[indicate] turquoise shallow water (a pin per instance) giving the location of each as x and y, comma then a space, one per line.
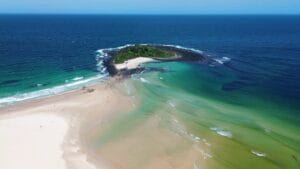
45, 80
244, 101
239, 129
42, 51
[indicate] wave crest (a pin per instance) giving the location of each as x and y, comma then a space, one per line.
49, 91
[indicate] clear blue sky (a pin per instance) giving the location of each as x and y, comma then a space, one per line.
152, 6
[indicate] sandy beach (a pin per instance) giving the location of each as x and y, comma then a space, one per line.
55, 132
34, 139
134, 63
147, 86
45, 133
59, 132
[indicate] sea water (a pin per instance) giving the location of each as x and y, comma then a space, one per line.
241, 106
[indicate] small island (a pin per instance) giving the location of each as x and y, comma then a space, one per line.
142, 51
127, 60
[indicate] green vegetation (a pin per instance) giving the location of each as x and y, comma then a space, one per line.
142, 51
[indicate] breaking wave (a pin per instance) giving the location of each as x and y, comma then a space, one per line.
49, 91
222, 132
77, 82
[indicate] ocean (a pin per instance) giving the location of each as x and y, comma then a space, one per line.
243, 103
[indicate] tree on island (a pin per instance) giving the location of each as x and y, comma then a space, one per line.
142, 51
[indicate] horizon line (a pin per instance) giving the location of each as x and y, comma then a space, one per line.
160, 14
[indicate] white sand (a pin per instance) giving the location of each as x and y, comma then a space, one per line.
134, 63
46, 133
32, 142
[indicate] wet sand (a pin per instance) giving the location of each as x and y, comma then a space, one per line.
46, 133
151, 146
66, 132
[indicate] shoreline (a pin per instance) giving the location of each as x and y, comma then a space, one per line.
134, 63
51, 91
125, 69
131, 66
65, 116
72, 117
54, 124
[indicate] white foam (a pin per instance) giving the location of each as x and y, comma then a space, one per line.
69, 84
257, 153
102, 51
225, 133
49, 91
222, 60
204, 154
175, 120
144, 80
103, 54
222, 132
181, 130
206, 142
77, 78
185, 48
195, 138
171, 104
267, 130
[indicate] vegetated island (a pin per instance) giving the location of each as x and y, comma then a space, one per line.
128, 59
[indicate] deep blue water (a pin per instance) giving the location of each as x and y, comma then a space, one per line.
42, 51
